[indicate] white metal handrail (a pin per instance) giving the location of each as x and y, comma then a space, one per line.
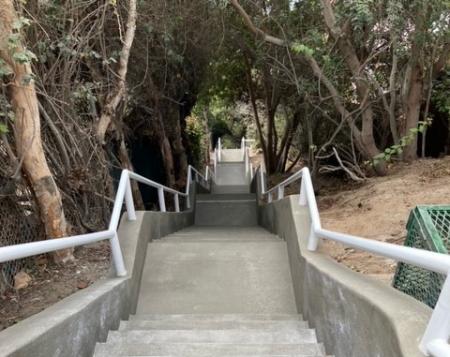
124, 193
246, 156
435, 339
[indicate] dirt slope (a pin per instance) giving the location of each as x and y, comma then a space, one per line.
379, 209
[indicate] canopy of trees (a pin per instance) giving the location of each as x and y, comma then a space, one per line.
91, 87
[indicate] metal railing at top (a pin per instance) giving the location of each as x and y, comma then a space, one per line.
217, 157
435, 339
123, 193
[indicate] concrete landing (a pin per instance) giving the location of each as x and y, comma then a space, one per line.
231, 173
221, 276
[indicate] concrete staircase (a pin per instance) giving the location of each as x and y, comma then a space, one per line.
220, 288
212, 335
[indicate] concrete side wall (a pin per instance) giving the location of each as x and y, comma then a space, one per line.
72, 326
354, 315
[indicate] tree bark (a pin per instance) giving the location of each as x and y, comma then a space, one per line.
116, 97
251, 92
412, 105
366, 137
29, 145
180, 153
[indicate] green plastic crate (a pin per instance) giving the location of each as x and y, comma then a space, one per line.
428, 228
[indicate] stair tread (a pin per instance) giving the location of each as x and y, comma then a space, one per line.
211, 324
230, 189
213, 240
209, 336
218, 317
207, 349
226, 196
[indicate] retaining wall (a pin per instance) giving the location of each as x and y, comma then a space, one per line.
75, 324
353, 314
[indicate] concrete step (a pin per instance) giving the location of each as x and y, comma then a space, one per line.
212, 325
213, 239
234, 336
231, 173
225, 188
258, 355
207, 350
223, 232
219, 197
110, 354
217, 317
230, 155
226, 212
277, 355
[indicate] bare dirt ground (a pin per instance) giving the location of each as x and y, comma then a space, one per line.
379, 209
51, 283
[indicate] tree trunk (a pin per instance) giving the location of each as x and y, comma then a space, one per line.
114, 100
413, 103
166, 151
29, 146
251, 92
366, 140
361, 140
180, 153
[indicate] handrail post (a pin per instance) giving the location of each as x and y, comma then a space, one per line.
302, 200
439, 325
117, 256
263, 183
162, 200
219, 151
246, 158
313, 239
269, 197
129, 201
280, 192
188, 188
177, 202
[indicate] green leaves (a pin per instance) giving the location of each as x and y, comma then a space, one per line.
302, 49
24, 57
7, 115
5, 70
20, 23
3, 128
397, 149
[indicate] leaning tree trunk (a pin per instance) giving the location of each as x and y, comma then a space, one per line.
413, 103
119, 91
22, 93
